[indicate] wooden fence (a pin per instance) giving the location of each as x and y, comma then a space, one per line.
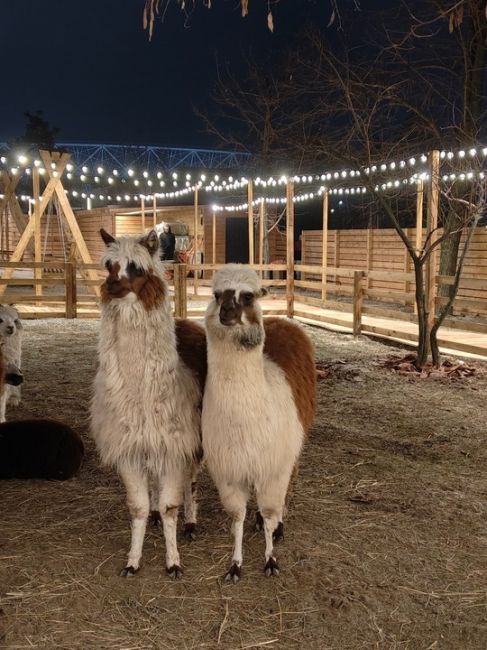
65, 291
382, 251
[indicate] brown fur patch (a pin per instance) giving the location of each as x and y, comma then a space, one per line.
191, 346
148, 288
287, 345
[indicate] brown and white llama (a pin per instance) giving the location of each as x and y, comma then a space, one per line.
258, 404
146, 409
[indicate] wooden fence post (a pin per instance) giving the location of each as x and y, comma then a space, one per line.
250, 217
290, 249
37, 230
324, 248
180, 290
432, 228
195, 247
358, 297
70, 289
142, 211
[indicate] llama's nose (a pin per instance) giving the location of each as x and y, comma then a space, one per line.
10, 329
228, 313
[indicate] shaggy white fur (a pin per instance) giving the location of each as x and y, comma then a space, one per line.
145, 409
252, 435
11, 342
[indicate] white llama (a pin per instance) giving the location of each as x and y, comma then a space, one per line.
259, 402
11, 341
147, 393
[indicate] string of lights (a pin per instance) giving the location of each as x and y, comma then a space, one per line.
186, 183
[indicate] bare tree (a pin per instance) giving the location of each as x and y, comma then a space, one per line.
335, 107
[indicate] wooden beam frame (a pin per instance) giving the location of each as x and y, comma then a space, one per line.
54, 186
10, 203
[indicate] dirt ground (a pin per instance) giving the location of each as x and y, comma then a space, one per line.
385, 543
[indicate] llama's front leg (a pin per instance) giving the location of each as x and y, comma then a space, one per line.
3, 404
234, 499
171, 497
154, 516
136, 484
271, 501
190, 504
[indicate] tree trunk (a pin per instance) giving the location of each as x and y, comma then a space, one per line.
423, 334
449, 249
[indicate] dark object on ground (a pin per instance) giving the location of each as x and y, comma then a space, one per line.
39, 449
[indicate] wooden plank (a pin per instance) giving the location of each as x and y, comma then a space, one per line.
142, 212
154, 210
419, 215
307, 284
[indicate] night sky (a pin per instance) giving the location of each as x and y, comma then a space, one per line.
92, 70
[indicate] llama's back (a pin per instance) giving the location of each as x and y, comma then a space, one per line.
287, 345
191, 347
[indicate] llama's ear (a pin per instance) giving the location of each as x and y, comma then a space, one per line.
151, 242
263, 292
107, 238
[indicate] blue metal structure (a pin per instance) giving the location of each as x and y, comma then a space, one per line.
150, 157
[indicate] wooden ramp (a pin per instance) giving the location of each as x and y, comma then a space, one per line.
451, 340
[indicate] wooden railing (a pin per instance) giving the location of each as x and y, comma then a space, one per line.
66, 291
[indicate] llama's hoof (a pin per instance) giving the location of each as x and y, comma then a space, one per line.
278, 534
175, 572
189, 532
128, 572
271, 568
259, 522
233, 574
155, 518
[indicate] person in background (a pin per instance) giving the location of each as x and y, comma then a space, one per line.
168, 243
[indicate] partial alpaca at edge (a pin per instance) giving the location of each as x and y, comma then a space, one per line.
259, 402
36, 448
11, 340
146, 409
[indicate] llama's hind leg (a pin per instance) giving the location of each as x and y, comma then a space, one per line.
190, 504
136, 484
170, 498
234, 499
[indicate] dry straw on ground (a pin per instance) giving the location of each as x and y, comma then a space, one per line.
384, 544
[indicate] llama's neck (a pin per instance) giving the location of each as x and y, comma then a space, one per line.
231, 361
132, 334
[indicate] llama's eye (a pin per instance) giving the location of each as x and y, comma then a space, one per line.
247, 298
135, 271
17, 322
108, 265
1, 320
218, 295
